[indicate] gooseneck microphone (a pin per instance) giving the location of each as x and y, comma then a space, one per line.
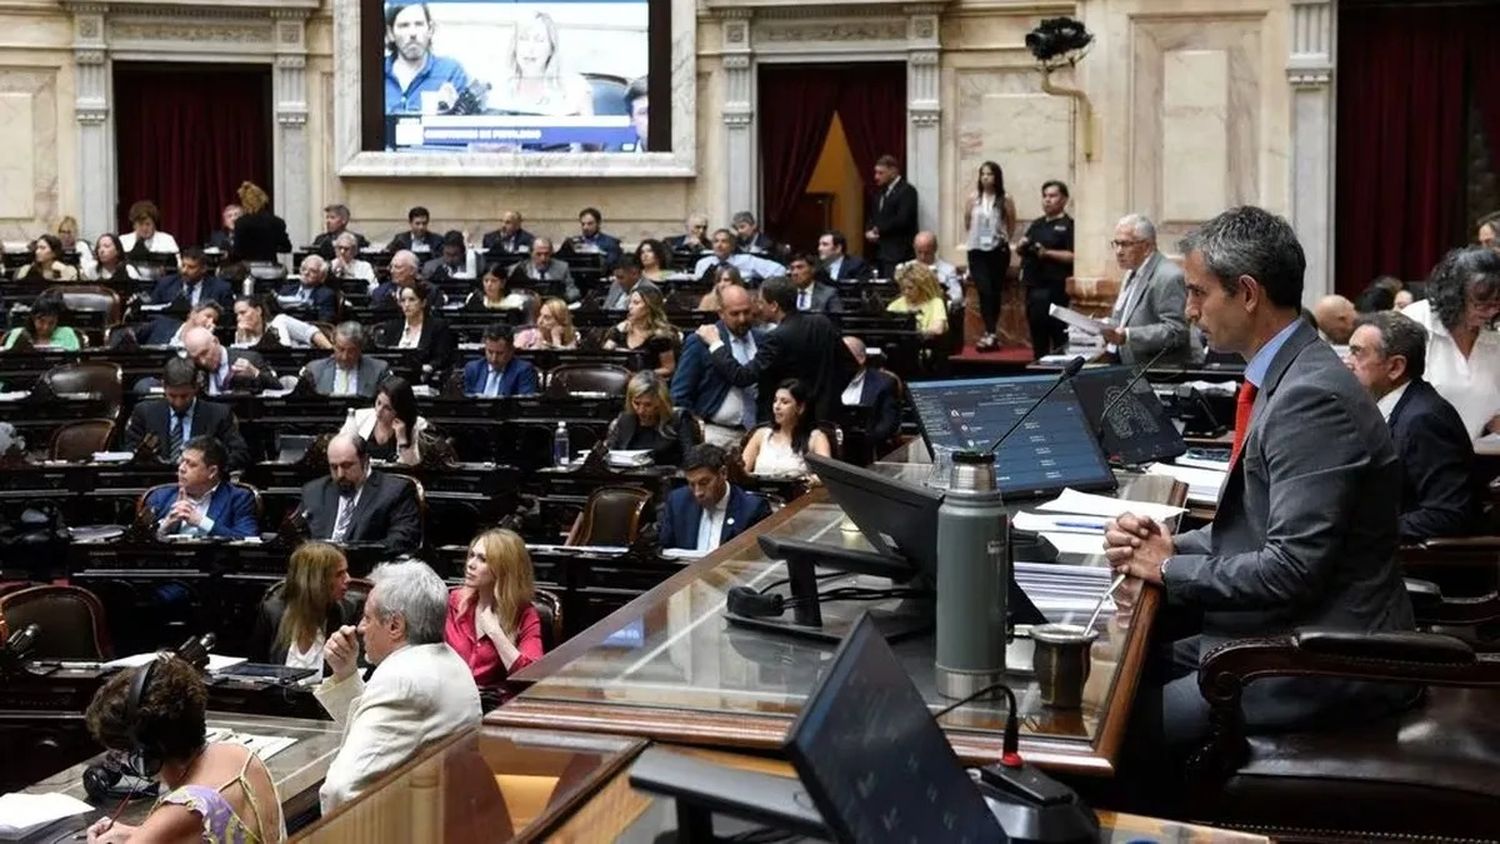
1129, 386
21, 641
1068, 372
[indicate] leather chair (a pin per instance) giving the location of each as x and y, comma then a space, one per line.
570, 378
77, 441
612, 516
1426, 773
92, 299
71, 620
549, 607
102, 377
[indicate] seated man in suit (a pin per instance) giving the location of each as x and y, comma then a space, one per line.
335, 223
1388, 354
874, 392
166, 331
1305, 531
452, 261
228, 370
499, 373
510, 237
193, 284
727, 411
311, 293
542, 267
695, 239
204, 503
347, 372
813, 296
626, 274
709, 511
355, 504
1148, 313
591, 239
182, 416
836, 263
405, 272
752, 267
747, 235
418, 237
422, 693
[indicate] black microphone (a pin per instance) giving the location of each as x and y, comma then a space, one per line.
1068, 372
21, 641
1129, 386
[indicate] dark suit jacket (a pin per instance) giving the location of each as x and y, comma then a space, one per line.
324, 302
263, 647
403, 240
896, 220
852, 268
806, 347
387, 511
435, 347
1438, 491
323, 375
605, 243
231, 508
625, 433
760, 244
558, 272
1305, 531
383, 296
260, 237
825, 300
158, 331
685, 242
266, 380
696, 383
878, 399
221, 239
215, 289
519, 378
323, 243
208, 418
496, 240
677, 526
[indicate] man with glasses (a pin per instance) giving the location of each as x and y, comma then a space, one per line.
1148, 315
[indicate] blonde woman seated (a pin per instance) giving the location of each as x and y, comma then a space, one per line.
251, 326
921, 295
553, 329
538, 84
646, 326
727, 275
392, 429
649, 422
492, 624
292, 625
46, 262
779, 449
67, 235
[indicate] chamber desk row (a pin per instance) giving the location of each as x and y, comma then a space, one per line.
669, 667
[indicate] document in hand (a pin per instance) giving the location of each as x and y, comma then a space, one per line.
1077, 320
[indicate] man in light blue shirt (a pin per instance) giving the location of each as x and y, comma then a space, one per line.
750, 266
416, 81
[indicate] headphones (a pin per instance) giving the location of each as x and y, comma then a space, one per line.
127, 774
143, 761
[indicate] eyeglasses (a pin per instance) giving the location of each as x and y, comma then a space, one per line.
1124, 244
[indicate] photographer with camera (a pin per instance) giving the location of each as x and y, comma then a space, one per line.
1046, 262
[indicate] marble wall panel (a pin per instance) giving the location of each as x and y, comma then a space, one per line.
1002, 115
29, 201
17, 172
1195, 134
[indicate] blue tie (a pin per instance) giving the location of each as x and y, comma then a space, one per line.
492, 384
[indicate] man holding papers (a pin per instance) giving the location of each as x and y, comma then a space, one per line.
1305, 532
1148, 313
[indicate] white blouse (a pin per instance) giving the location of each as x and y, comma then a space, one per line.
1472, 384
159, 242
310, 658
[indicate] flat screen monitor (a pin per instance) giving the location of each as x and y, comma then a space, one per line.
1138, 429
1053, 449
873, 759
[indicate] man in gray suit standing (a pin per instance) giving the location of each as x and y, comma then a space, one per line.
1148, 313
1305, 532
347, 372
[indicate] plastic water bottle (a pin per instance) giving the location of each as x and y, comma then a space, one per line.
560, 445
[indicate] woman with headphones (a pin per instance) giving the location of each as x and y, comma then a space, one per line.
215, 792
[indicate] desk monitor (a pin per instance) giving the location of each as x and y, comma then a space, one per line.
1055, 448
873, 759
1138, 429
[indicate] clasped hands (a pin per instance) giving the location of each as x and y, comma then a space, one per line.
184, 512
1137, 546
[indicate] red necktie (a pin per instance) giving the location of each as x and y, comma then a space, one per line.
1244, 403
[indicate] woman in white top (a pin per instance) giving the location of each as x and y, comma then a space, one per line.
392, 429
251, 326
990, 218
67, 232
109, 261
145, 217
293, 623
346, 265
1463, 348
538, 84
778, 448
46, 262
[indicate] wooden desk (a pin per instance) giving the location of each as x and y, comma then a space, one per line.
297, 771
684, 675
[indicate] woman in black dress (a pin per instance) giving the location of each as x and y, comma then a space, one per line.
646, 326
649, 422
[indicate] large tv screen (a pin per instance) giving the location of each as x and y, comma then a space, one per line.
487, 76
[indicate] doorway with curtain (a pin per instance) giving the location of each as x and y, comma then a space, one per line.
822, 126
187, 135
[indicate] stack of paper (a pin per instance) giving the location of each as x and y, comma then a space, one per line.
630, 458
1203, 484
216, 662
1084, 503
1203, 463
1074, 319
22, 814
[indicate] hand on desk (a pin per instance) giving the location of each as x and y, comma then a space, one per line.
1137, 546
341, 652
106, 831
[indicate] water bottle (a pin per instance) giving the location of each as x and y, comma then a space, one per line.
560, 445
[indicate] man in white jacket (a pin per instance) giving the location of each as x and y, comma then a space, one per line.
421, 690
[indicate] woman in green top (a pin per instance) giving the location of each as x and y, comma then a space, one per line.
42, 329
921, 295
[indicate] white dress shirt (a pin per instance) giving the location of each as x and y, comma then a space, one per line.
346, 502
310, 658
355, 269
855, 391
711, 523
410, 337
159, 242
219, 379
738, 409
345, 381
750, 266
200, 504
1387, 403
1472, 384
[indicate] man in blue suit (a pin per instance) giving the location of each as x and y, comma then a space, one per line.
205, 503
709, 511
499, 373
591, 239
727, 411
310, 293
837, 264
193, 284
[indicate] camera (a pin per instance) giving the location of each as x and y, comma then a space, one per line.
1056, 37
1030, 249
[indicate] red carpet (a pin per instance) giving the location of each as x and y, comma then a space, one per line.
1005, 355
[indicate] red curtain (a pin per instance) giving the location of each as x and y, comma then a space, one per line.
797, 104
1401, 119
1484, 76
187, 137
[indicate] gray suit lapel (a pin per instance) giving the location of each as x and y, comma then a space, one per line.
1138, 286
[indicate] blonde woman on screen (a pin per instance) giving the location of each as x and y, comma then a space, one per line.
537, 83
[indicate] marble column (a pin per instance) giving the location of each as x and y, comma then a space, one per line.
923, 112
1310, 72
293, 187
97, 179
743, 175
